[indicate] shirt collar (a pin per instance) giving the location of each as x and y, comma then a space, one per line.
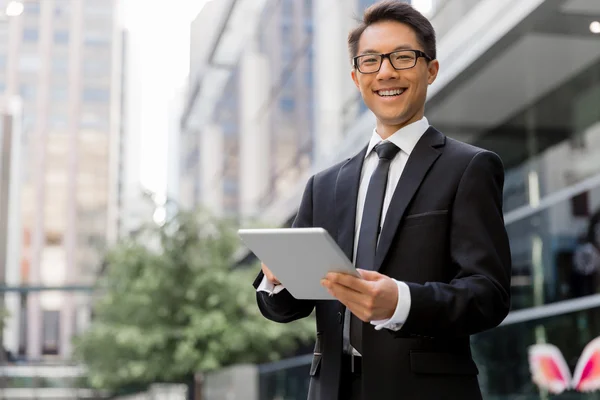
405, 138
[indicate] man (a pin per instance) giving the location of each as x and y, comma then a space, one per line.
420, 215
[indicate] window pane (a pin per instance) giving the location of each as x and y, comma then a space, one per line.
96, 68
31, 7
502, 354
97, 38
551, 257
58, 121
95, 95
27, 92
61, 37
60, 65
51, 332
59, 92
95, 120
29, 62
30, 35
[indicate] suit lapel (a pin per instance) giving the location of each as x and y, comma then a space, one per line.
420, 161
346, 195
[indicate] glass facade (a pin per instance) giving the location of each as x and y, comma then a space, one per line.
63, 74
227, 118
286, 40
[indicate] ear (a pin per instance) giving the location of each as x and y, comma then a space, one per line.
432, 71
355, 77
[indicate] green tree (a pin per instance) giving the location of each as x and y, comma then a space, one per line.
169, 304
3, 317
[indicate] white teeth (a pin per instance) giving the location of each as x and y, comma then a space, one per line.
394, 92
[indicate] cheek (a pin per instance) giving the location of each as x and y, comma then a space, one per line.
364, 87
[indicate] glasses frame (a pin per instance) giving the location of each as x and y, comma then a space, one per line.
418, 54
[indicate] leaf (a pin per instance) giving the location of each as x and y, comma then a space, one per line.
170, 304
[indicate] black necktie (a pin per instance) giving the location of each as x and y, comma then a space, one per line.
369, 227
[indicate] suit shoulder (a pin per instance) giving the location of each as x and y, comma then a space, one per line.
466, 150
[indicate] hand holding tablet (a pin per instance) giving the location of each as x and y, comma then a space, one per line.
299, 258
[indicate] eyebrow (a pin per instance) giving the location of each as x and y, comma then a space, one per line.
401, 47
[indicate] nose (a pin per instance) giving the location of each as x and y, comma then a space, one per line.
386, 71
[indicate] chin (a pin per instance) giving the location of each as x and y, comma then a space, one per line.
392, 121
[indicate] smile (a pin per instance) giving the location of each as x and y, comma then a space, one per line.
390, 92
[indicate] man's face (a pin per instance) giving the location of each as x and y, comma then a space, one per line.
397, 110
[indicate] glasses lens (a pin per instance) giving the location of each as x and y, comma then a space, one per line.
369, 63
403, 59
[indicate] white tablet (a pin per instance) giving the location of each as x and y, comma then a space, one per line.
299, 258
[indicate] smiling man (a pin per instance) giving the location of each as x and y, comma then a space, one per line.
420, 215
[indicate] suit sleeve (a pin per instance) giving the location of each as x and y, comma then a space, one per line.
478, 298
283, 307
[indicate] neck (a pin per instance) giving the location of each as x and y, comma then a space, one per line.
385, 130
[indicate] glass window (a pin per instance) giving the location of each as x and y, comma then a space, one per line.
502, 354
27, 91
230, 186
31, 7
94, 119
29, 63
287, 104
30, 35
285, 382
553, 252
96, 68
98, 8
60, 64
547, 146
60, 92
51, 331
59, 120
61, 37
94, 39
28, 122
96, 95
2, 62
61, 8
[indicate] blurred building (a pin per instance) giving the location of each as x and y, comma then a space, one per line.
10, 219
63, 57
518, 77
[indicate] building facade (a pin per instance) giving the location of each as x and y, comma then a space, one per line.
62, 57
518, 77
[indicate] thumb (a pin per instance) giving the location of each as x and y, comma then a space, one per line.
369, 275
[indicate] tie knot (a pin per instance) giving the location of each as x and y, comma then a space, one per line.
387, 150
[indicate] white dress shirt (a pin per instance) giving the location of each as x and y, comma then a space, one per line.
406, 139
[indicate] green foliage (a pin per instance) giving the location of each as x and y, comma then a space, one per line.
3, 317
169, 304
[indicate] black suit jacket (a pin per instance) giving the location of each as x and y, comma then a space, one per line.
444, 236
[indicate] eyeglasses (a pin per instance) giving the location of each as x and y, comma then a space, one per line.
403, 59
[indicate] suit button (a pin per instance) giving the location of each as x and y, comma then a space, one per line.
339, 317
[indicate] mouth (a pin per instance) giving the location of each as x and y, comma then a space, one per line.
390, 93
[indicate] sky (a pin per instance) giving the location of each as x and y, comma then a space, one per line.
159, 30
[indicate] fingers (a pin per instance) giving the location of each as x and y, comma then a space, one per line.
269, 275
344, 293
349, 281
369, 275
368, 300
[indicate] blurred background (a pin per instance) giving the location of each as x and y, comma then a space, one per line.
121, 118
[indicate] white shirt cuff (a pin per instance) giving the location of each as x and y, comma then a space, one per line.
266, 286
402, 309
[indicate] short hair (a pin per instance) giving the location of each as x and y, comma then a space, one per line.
398, 11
